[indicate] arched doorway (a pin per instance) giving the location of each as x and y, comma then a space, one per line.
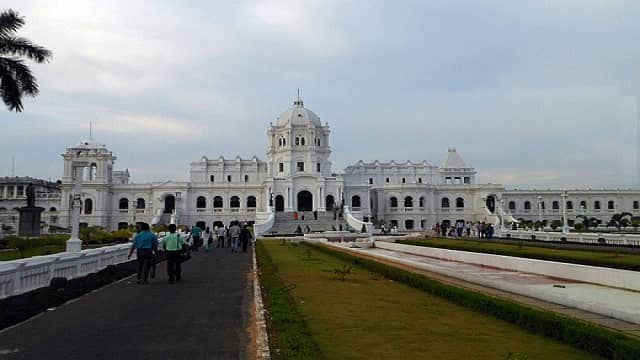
169, 204
279, 203
330, 203
491, 203
305, 201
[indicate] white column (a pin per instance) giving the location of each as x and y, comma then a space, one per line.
74, 243
565, 226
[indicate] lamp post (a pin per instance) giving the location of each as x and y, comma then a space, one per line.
540, 210
135, 209
178, 197
565, 225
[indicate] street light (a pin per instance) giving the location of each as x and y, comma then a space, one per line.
175, 209
135, 209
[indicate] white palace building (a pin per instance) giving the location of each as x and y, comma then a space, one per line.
298, 176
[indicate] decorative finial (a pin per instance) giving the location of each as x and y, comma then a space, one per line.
298, 101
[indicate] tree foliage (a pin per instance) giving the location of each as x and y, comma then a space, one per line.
16, 79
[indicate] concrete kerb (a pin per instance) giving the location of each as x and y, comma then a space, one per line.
262, 336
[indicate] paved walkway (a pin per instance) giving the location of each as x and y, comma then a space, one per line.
529, 289
206, 316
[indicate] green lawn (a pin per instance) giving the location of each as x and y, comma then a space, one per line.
370, 317
14, 254
612, 259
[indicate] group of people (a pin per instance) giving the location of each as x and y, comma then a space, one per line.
177, 246
478, 229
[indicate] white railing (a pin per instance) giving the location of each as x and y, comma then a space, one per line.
20, 276
264, 221
586, 238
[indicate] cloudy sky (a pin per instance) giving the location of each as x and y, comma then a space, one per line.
532, 93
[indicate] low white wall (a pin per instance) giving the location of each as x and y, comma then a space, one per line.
624, 279
586, 238
20, 276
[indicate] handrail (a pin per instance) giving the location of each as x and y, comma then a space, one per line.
261, 227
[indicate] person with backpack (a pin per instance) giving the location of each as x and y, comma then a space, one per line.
174, 246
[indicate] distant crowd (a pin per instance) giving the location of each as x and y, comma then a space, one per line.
176, 246
467, 229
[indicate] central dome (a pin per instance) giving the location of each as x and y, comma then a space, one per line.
299, 115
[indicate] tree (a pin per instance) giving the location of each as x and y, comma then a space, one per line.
16, 79
620, 220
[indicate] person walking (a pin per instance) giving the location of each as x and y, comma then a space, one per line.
234, 234
221, 232
173, 246
196, 234
208, 238
228, 236
245, 236
145, 243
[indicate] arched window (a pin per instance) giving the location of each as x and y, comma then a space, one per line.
512, 205
444, 203
201, 202
297, 141
93, 171
355, 201
459, 203
370, 181
421, 202
52, 209
251, 202
408, 201
218, 203
419, 180
141, 204
583, 204
404, 181
212, 178
636, 205
611, 205
302, 141
555, 205
246, 178
280, 142
88, 206
387, 180
596, 205
569, 205
284, 142
527, 205
234, 202
394, 202
123, 204
542, 206
228, 178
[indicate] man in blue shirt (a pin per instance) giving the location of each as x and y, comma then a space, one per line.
146, 244
196, 234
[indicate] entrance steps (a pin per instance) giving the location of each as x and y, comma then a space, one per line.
286, 224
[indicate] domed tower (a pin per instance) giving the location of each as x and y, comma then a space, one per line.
299, 172
299, 144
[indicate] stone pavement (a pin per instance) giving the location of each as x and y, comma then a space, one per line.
205, 316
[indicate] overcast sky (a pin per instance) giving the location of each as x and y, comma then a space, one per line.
531, 93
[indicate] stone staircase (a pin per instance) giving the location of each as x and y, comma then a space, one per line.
285, 224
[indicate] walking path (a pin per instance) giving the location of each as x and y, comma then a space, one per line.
525, 288
205, 316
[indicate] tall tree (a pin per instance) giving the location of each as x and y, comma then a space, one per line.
16, 79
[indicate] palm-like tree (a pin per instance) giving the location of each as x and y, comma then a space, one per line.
16, 80
620, 220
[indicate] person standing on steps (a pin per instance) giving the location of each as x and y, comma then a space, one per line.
145, 243
315, 214
173, 246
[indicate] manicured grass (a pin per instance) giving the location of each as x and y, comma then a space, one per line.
35, 251
610, 259
368, 316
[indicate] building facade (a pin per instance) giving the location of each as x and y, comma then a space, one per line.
297, 175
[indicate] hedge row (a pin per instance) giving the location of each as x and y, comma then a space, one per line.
591, 338
549, 257
289, 336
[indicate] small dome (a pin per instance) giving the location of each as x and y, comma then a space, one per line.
299, 115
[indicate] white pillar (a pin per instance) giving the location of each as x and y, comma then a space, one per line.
74, 243
565, 226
